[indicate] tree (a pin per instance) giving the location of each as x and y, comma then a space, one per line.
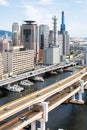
71, 52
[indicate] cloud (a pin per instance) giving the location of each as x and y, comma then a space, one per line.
4, 2
45, 2
75, 29
38, 14
80, 1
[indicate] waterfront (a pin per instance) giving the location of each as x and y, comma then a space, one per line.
38, 85
67, 116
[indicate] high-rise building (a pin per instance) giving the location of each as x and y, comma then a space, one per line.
43, 36
18, 60
15, 34
63, 39
1, 66
62, 22
5, 43
85, 55
51, 37
51, 53
29, 37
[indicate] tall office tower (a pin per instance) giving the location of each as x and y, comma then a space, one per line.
62, 22
15, 34
63, 39
29, 37
43, 36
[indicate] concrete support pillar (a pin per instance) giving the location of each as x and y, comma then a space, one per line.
82, 89
73, 97
44, 118
8, 85
82, 85
42, 125
33, 125
80, 96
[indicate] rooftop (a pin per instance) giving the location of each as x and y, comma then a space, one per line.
29, 21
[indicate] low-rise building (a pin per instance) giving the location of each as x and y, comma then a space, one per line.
51, 56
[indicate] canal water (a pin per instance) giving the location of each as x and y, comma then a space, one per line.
66, 116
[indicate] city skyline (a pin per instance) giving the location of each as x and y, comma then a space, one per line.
42, 11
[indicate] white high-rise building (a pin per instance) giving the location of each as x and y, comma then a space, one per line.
1, 66
43, 36
15, 27
5, 43
18, 60
15, 34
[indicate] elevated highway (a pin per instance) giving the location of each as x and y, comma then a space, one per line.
35, 72
39, 96
33, 115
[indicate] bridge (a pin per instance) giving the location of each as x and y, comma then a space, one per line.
39, 103
29, 74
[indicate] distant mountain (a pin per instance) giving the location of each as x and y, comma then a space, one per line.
3, 32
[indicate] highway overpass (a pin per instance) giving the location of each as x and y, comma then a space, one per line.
33, 115
16, 78
42, 95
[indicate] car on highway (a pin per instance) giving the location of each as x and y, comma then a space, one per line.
24, 118
82, 72
31, 73
38, 95
14, 76
6, 108
28, 127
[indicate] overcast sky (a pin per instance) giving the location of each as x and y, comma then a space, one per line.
42, 12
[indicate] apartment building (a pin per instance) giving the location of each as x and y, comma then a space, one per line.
18, 60
1, 66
